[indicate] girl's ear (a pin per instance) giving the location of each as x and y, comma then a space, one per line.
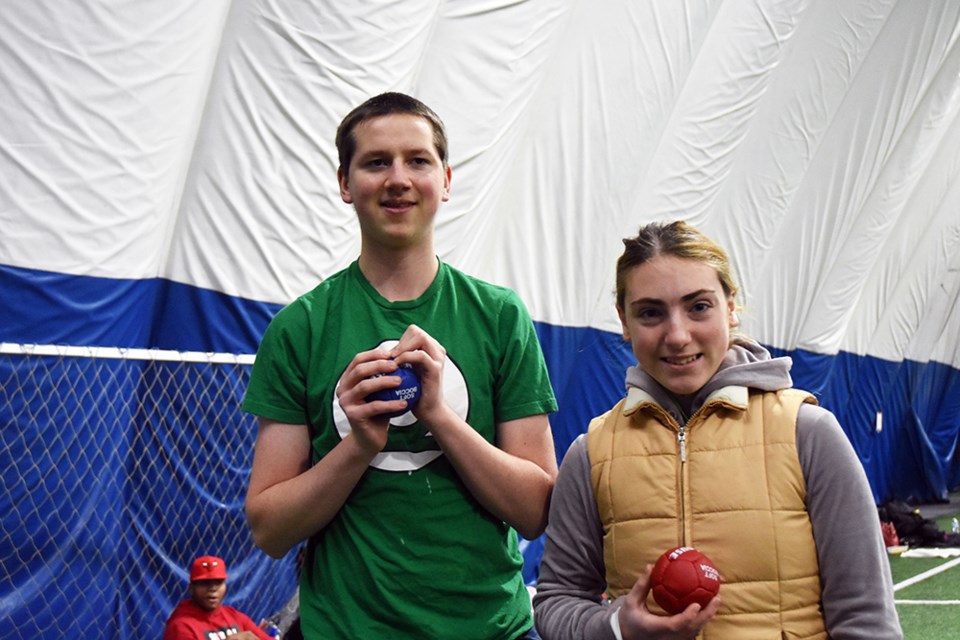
734, 319
623, 324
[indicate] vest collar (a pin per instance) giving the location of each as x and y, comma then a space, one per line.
734, 395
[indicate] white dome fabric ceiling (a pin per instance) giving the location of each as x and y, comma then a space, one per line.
816, 140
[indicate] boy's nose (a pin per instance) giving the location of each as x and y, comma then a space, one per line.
398, 175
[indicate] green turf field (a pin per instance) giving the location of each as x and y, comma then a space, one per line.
929, 608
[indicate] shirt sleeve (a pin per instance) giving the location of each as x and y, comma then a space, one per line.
569, 604
246, 623
277, 387
856, 584
255, 628
522, 382
177, 630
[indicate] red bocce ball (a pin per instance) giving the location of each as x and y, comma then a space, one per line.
683, 576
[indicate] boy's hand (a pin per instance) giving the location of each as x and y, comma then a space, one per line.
420, 349
369, 421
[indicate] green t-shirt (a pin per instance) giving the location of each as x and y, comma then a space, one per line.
411, 554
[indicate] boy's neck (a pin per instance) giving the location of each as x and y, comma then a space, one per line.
402, 275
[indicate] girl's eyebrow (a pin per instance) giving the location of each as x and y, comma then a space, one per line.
687, 298
647, 301
696, 294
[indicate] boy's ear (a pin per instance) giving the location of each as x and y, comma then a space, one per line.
344, 186
448, 176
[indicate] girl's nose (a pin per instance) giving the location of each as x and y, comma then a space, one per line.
678, 334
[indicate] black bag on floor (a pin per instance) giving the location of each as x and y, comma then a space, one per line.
913, 529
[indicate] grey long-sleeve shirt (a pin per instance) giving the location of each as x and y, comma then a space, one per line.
857, 589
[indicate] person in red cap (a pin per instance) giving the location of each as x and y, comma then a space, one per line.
204, 616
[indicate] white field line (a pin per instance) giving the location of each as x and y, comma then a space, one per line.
926, 574
926, 602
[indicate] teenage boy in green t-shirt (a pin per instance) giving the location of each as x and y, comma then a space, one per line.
411, 521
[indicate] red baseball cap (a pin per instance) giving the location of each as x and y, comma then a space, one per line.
208, 568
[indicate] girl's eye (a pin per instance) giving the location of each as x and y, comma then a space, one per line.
700, 307
648, 315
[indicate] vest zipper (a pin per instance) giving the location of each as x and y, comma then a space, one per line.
682, 441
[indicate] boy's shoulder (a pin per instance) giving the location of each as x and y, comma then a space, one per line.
328, 288
482, 287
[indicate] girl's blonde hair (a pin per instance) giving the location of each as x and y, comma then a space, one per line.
676, 239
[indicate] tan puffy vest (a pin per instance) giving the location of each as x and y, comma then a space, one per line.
739, 498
